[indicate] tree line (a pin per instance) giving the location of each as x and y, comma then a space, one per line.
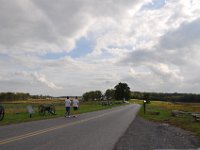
169, 97
120, 92
11, 96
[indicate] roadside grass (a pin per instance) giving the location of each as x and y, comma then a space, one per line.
16, 111
186, 122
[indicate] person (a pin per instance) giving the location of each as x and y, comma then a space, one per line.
75, 106
67, 106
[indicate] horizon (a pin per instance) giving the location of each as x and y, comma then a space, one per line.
61, 96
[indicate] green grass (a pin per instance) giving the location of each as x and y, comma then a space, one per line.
186, 122
16, 112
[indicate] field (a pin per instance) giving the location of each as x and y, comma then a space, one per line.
16, 111
186, 122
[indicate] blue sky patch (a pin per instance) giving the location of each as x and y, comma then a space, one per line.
3, 56
155, 4
83, 47
55, 55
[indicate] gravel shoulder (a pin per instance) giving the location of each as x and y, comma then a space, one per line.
146, 135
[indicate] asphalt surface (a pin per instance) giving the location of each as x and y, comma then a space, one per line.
146, 135
98, 130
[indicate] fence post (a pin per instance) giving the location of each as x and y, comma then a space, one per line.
144, 105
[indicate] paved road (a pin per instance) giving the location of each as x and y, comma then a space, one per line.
97, 130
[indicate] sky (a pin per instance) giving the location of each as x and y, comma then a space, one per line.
68, 47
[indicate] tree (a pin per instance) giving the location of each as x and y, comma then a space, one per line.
98, 95
110, 94
92, 95
122, 91
9, 96
86, 96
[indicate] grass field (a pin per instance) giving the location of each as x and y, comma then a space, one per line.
186, 122
16, 111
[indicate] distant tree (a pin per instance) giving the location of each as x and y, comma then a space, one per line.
92, 95
110, 94
86, 96
170, 97
98, 95
9, 96
122, 91
22, 96
136, 95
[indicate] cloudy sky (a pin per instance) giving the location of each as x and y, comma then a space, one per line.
68, 47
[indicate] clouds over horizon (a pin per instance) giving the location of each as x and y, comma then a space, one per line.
152, 45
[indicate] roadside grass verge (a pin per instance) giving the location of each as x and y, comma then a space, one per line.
16, 111
186, 122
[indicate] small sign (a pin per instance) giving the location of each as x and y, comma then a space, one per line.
30, 110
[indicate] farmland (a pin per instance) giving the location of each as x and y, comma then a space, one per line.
16, 111
186, 122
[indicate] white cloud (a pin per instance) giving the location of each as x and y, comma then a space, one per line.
38, 77
186, 37
150, 49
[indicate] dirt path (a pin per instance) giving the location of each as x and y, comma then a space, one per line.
146, 135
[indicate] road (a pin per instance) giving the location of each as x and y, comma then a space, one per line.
98, 130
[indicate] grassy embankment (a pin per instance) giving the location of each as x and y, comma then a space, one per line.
16, 111
186, 122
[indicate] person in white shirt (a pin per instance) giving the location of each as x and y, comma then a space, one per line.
75, 106
67, 106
